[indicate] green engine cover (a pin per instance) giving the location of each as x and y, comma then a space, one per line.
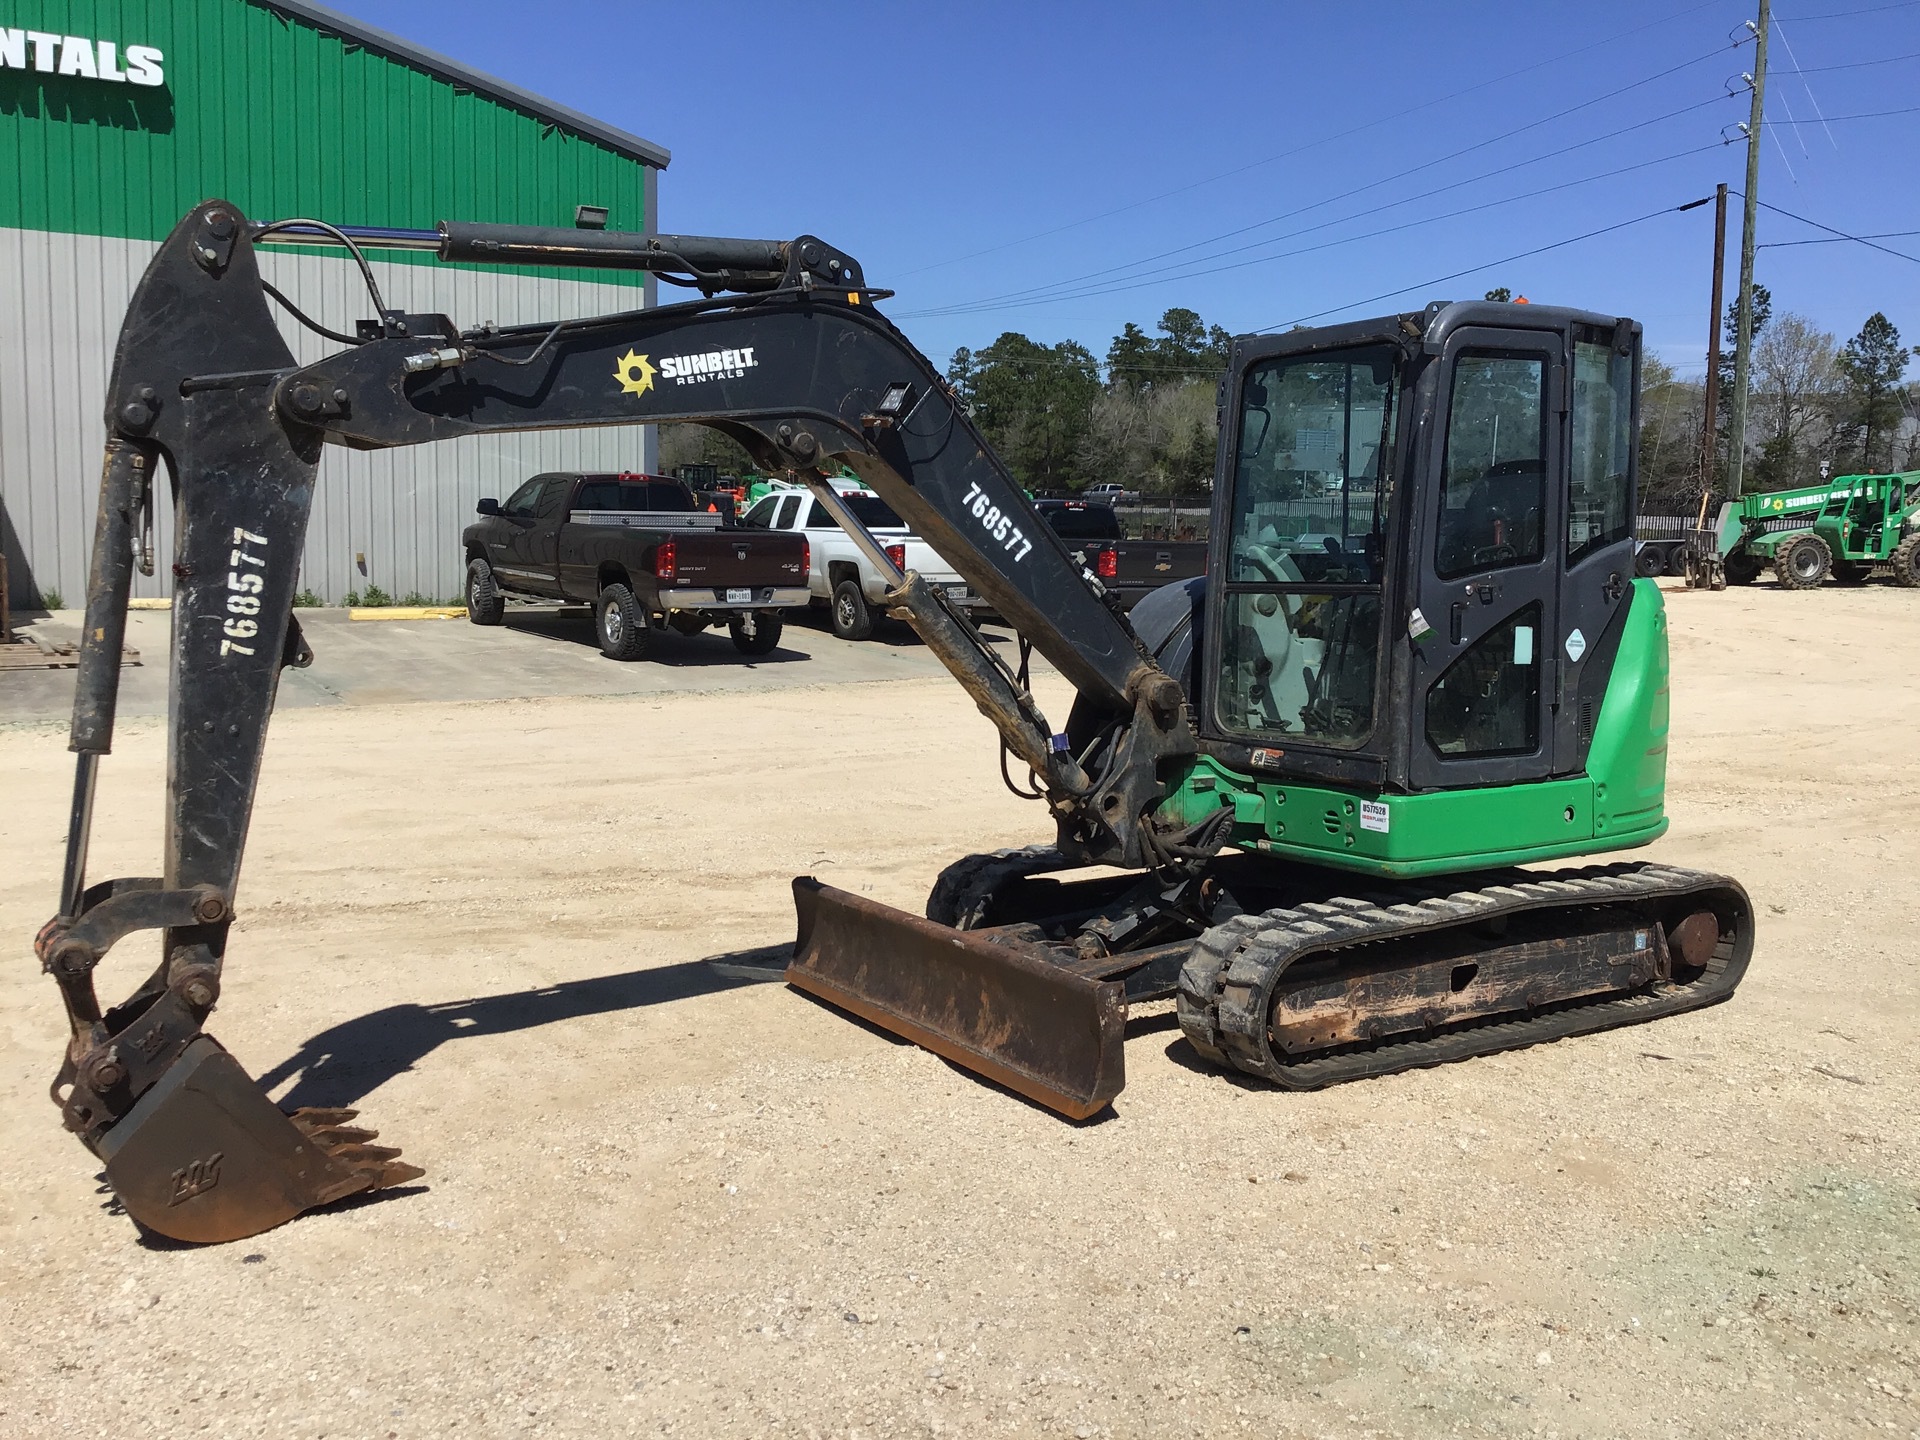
1618, 802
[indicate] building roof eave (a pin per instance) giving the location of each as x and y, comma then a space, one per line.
478, 81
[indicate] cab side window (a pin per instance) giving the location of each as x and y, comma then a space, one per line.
552, 497
760, 517
1600, 493
1494, 486
789, 507
520, 504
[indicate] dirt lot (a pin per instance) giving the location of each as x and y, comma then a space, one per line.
658, 1201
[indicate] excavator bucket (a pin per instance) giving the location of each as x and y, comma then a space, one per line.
206, 1157
1000, 1008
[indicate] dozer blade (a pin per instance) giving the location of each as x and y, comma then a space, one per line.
205, 1156
1001, 1009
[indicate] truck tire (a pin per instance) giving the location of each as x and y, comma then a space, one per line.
621, 623
1677, 561
1742, 568
1802, 563
848, 612
1649, 560
485, 604
766, 633
1906, 563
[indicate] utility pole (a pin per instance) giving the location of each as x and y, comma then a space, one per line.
1743, 338
1713, 336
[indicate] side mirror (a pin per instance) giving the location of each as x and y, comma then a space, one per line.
487, 507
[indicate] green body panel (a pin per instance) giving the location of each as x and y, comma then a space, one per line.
1861, 517
1617, 803
281, 119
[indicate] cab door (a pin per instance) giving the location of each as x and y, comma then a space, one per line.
1486, 589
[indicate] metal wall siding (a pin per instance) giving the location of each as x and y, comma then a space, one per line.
403, 509
281, 119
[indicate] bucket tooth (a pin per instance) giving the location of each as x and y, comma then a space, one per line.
332, 1135
309, 1117
205, 1157
998, 1007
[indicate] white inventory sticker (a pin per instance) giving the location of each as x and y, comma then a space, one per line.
1373, 815
1576, 646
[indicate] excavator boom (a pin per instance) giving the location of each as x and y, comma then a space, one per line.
785, 353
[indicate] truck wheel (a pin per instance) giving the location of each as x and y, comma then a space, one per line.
766, 633
1649, 561
1742, 569
1906, 563
1677, 562
852, 620
1802, 563
622, 624
485, 604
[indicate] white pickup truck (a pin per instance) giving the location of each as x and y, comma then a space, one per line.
843, 579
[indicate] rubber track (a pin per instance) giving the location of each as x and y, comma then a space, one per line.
1227, 987
961, 895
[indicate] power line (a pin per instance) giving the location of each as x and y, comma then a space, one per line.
1066, 289
1850, 65
1837, 239
1392, 116
1362, 189
1138, 284
1489, 265
1840, 234
1841, 14
1863, 115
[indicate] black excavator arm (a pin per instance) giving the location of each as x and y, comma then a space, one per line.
785, 353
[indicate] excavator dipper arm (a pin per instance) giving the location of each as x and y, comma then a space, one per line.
786, 354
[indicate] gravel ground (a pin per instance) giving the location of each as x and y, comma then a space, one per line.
659, 1201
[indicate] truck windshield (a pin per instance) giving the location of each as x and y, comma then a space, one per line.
1302, 612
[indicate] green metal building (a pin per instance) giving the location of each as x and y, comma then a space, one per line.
118, 116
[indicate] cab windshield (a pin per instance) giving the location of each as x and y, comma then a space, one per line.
1302, 612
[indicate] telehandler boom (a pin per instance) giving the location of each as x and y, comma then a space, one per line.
1311, 773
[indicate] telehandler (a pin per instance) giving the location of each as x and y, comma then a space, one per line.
1308, 798
1843, 528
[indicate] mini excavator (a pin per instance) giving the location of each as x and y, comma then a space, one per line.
1294, 797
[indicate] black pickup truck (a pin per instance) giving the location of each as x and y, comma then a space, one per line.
642, 551
1130, 569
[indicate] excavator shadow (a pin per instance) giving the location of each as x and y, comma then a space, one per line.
340, 1066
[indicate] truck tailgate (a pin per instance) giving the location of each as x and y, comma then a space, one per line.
724, 558
1160, 562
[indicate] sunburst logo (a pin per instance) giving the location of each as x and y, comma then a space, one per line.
634, 372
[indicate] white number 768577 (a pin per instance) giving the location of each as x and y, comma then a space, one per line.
244, 585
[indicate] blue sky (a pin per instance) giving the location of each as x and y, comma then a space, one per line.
981, 157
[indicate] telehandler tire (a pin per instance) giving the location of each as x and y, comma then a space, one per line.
1906, 563
485, 604
621, 623
1803, 563
1742, 569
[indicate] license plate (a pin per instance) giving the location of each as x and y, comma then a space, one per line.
739, 597
959, 593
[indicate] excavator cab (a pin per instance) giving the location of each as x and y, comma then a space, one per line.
1289, 798
1421, 579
